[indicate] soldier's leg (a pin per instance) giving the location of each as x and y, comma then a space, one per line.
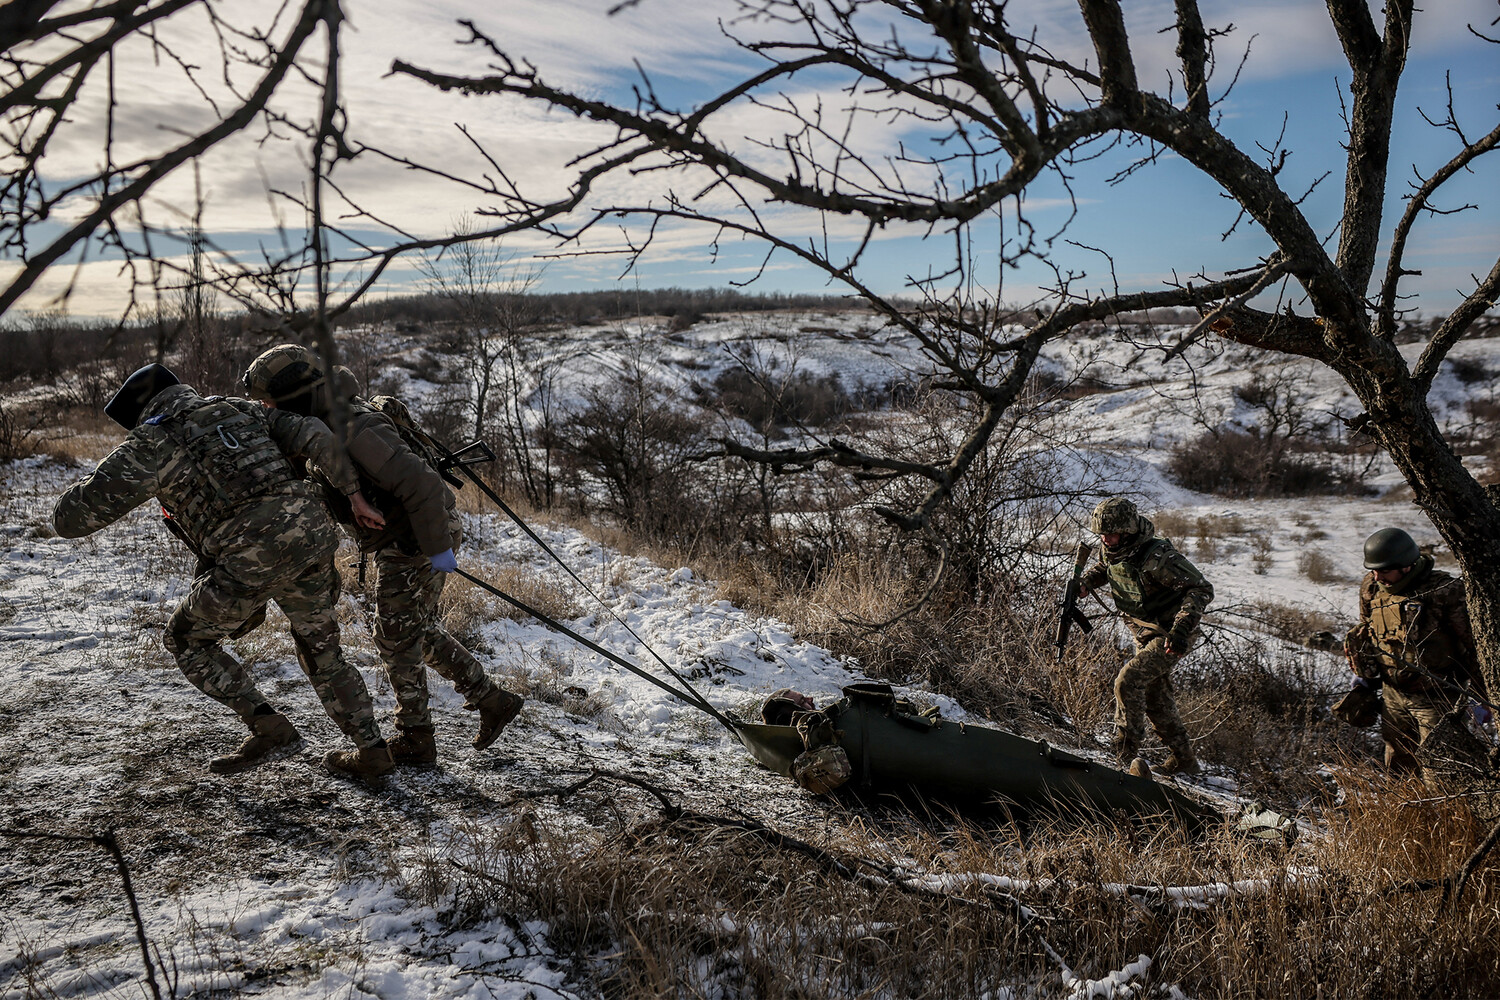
410, 627
1427, 711
1400, 731
216, 606
1161, 701
308, 601
1131, 685
401, 612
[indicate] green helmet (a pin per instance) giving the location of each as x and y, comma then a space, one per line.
1390, 548
284, 372
1115, 516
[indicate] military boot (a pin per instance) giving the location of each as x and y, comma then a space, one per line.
366, 763
496, 709
269, 733
1179, 762
414, 746
1140, 768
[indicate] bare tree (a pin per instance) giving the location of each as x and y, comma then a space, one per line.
487, 290
997, 111
59, 73
62, 92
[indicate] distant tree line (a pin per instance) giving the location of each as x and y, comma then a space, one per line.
600, 306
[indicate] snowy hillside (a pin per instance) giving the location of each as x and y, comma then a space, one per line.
290, 883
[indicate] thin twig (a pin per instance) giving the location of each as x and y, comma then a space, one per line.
107, 840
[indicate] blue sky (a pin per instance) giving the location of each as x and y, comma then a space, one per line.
1163, 218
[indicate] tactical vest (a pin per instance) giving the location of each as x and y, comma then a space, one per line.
1409, 641
230, 462
1132, 596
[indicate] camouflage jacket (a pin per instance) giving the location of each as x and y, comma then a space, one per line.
420, 511
1414, 628
1154, 586
220, 467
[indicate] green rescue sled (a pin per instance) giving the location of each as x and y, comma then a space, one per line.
894, 751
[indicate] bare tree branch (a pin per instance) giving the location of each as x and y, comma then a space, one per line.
147, 174
1416, 204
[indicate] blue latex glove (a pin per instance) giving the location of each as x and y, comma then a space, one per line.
1361, 682
444, 562
1481, 714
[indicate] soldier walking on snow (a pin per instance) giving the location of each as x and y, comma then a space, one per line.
414, 552
220, 469
1413, 640
1162, 597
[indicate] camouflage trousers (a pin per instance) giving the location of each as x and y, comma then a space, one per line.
1406, 720
410, 636
1143, 689
219, 603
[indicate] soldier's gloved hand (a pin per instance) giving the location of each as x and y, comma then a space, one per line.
1177, 644
1481, 713
444, 562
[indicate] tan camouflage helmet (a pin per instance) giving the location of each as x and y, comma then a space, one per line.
1115, 516
284, 371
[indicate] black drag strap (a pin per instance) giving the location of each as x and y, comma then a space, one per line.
690, 696
693, 697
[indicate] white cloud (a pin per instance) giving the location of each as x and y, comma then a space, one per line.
575, 45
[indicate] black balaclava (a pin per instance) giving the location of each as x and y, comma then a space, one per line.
139, 389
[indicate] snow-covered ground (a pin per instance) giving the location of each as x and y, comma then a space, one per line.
287, 882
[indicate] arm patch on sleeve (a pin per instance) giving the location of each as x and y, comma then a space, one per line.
369, 450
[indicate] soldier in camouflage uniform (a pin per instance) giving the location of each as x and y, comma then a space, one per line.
1413, 640
1162, 597
219, 468
414, 552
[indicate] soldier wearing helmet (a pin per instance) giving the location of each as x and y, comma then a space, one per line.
1162, 596
221, 468
1414, 641
413, 552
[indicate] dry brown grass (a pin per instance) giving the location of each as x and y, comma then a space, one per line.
691, 906
76, 435
466, 607
1319, 567
1213, 535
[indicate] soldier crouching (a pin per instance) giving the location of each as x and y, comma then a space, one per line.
219, 468
1162, 596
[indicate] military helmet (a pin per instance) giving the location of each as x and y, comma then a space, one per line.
1390, 548
1115, 516
127, 405
283, 372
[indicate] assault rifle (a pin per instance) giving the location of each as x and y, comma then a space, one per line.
1071, 615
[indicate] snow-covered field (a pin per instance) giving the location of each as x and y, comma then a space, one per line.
287, 882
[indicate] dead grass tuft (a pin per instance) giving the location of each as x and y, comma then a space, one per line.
1319, 567
466, 608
